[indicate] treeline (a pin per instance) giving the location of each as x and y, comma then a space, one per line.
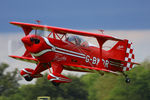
86, 87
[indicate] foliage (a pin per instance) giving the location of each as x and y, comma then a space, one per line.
42, 87
138, 89
91, 87
8, 80
109, 87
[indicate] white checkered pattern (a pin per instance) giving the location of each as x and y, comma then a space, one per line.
129, 57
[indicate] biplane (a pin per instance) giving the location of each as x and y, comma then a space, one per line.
58, 51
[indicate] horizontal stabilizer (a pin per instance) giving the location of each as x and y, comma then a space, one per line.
123, 61
124, 65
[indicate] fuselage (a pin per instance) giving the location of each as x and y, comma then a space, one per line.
48, 50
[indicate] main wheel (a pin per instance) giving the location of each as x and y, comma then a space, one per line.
28, 78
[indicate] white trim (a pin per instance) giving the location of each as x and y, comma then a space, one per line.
124, 68
132, 47
48, 50
129, 42
132, 60
126, 58
128, 50
130, 55
47, 42
41, 53
57, 78
25, 75
128, 65
70, 54
26, 71
70, 51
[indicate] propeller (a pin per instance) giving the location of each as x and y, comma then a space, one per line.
15, 47
43, 32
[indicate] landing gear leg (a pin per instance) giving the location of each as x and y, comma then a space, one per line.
127, 79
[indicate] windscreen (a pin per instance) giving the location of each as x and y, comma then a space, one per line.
43, 33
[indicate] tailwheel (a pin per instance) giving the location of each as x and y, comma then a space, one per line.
28, 78
127, 79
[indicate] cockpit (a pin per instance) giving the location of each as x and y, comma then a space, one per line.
77, 41
74, 39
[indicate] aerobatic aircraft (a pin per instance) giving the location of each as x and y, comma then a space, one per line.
65, 49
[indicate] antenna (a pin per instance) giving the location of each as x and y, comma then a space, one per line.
102, 31
38, 21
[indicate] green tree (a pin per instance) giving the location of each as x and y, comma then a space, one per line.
43, 87
111, 87
138, 89
98, 86
8, 80
91, 87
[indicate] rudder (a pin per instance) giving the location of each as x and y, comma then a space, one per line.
129, 57
123, 51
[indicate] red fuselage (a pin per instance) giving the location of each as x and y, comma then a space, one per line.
47, 50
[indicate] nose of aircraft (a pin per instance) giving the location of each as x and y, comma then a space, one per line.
26, 40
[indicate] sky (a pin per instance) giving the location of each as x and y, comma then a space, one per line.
128, 19
77, 14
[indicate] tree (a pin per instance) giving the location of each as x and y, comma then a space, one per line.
90, 87
43, 87
8, 80
138, 89
110, 87
98, 86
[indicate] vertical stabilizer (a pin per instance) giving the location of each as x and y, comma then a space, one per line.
123, 51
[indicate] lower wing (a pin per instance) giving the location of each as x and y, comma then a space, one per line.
88, 69
26, 59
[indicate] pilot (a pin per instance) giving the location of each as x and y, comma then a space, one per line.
78, 40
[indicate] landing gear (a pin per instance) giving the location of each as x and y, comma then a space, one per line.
127, 79
28, 78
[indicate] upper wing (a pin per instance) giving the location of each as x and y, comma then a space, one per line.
28, 27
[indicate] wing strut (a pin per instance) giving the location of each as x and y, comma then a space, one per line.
101, 41
26, 29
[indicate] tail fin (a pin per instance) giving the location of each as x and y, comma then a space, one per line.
123, 51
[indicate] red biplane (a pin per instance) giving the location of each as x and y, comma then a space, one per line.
58, 51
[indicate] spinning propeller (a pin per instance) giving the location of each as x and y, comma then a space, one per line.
15, 45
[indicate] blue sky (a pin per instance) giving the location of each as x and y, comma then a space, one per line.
77, 14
